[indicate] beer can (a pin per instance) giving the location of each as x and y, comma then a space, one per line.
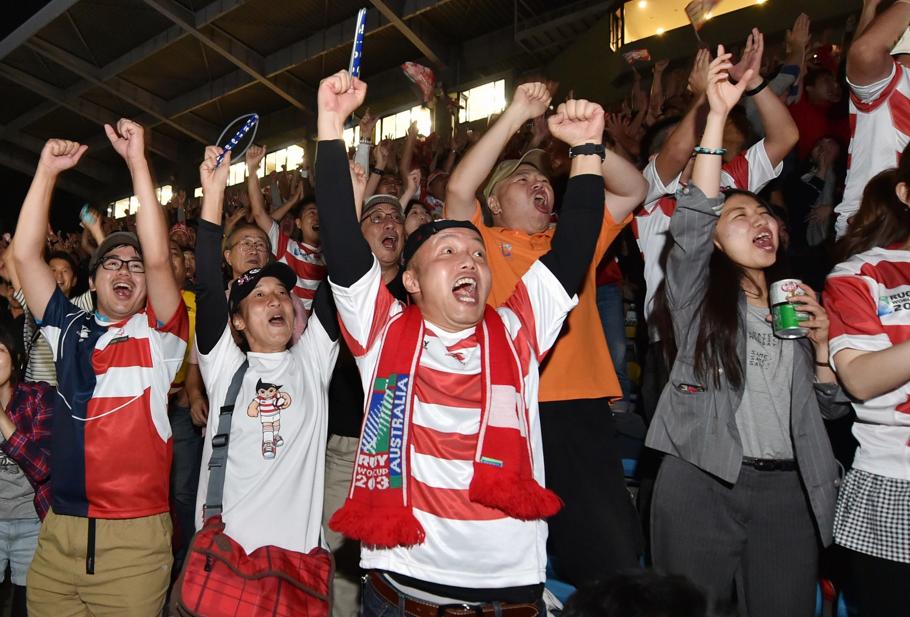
785, 316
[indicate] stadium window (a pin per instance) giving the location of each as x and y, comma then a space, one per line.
482, 101
164, 194
396, 125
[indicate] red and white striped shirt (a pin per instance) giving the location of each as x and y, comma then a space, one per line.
879, 132
306, 261
868, 302
467, 545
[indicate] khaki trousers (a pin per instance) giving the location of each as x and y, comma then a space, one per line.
339, 467
132, 567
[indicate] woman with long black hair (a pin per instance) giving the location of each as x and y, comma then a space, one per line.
868, 298
746, 492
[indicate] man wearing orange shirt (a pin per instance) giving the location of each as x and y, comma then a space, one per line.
597, 532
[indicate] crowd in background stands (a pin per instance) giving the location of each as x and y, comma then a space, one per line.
719, 177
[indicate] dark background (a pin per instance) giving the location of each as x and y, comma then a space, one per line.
65, 208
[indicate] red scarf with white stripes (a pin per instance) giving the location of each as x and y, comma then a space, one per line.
378, 508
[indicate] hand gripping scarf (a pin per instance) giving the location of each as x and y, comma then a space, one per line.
378, 508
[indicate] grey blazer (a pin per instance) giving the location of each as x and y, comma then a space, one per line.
696, 421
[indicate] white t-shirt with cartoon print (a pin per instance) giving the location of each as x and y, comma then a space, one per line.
274, 482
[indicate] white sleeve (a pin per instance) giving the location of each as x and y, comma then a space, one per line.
656, 187
761, 172
316, 350
870, 92
364, 308
362, 157
224, 357
85, 301
540, 304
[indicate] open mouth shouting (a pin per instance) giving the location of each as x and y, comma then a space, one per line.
542, 201
764, 241
390, 241
465, 290
123, 290
278, 320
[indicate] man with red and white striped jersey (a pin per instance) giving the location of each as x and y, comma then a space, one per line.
878, 73
447, 496
105, 546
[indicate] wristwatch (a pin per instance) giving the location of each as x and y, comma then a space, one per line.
585, 149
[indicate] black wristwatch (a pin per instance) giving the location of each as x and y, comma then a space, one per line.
584, 149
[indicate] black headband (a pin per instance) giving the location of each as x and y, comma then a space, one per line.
428, 230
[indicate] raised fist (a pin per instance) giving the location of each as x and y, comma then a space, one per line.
128, 139
532, 99
60, 154
339, 95
578, 122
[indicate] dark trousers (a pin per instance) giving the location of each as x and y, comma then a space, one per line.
756, 537
597, 532
879, 586
184, 479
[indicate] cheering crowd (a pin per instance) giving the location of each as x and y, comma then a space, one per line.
413, 354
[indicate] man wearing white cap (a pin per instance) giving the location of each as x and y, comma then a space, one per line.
878, 72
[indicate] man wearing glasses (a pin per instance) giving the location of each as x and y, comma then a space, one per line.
105, 545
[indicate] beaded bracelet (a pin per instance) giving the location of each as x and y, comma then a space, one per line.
715, 151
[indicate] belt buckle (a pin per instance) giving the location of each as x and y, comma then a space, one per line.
477, 609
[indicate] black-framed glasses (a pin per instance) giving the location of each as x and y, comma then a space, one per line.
115, 264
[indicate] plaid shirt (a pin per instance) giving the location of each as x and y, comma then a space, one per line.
30, 410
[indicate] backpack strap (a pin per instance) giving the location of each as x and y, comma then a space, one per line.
218, 462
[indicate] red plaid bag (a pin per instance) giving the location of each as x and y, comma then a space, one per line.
219, 578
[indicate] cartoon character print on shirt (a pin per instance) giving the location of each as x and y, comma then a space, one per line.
267, 405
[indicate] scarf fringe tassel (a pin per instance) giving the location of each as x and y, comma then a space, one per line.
382, 527
521, 498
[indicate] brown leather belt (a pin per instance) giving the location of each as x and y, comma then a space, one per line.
420, 608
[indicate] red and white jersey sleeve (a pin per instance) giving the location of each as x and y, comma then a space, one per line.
868, 302
466, 544
879, 132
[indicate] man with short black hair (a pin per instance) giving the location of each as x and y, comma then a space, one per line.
105, 546
447, 494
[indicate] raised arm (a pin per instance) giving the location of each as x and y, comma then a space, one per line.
530, 100
577, 123
151, 226
869, 59
407, 153
692, 224
347, 254
677, 149
781, 133
210, 298
254, 156
57, 156
624, 185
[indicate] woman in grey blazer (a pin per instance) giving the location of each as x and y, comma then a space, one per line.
746, 493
